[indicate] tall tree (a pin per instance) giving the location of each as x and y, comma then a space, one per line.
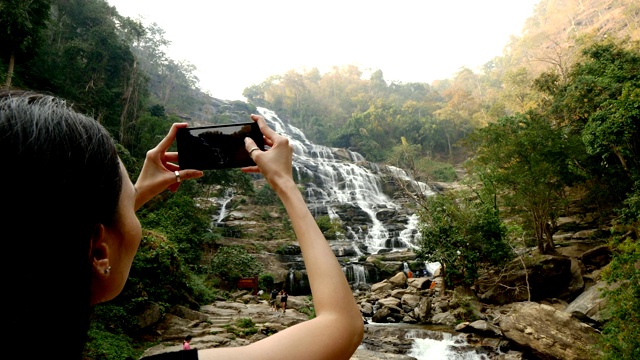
22, 23
528, 162
600, 103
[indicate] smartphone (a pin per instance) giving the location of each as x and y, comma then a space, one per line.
217, 146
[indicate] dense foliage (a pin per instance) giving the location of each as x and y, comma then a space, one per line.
233, 262
585, 136
621, 334
463, 235
527, 162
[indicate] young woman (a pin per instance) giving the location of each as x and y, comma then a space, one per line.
71, 233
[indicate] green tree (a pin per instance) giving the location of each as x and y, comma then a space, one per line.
87, 61
184, 224
621, 333
528, 162
233, 262
22, 23
462, 234
599, 102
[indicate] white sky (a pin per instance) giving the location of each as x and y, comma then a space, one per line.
238, 43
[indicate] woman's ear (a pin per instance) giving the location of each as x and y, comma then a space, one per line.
99, 252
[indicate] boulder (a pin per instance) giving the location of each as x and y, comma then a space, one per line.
591, 302
548, 332
596, 258
547, 276
399, 280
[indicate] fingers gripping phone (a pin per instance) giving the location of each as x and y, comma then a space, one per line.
217, 146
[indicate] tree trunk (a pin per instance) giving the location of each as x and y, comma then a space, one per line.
12, 61
621, 158
128, 98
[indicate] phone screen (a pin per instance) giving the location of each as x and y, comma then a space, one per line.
217, 146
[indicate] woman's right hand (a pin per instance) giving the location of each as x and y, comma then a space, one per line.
160, 172
275, 164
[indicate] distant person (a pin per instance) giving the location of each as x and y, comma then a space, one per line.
186, 343
409, 274
272, 301
283, 300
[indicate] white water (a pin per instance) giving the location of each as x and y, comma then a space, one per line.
224, 201
449, 348
335, 182
355, 274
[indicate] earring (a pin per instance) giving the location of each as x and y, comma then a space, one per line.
107, 270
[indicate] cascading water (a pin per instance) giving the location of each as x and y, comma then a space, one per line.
341, 188
450, 347
224, 201
355, 274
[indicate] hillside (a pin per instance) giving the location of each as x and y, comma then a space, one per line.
550, 34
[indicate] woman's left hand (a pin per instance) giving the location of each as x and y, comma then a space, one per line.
160, 172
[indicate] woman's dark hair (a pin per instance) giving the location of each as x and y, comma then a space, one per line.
61, 179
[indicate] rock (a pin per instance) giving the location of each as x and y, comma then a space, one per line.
149, 315
411, 301
423, 311
596, 258
480, 327
390, 301
364, 354
366, 309
420, 283
384, 285
547, 276
590, 302
576, 285
382, 315
445, 318
399, 280
552, 333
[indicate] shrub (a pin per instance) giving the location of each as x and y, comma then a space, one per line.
243, 327
331, 228
106, 345
231, 263
266, 281
621, 334
266, 196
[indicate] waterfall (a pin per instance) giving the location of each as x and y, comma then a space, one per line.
418, 186
355, 274
338, 185
291, 281
410, 235
228, 195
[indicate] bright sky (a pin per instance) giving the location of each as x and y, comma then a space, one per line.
238, 43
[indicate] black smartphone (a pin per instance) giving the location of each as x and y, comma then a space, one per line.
217, 146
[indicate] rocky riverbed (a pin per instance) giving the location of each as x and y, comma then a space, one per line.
399, 310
